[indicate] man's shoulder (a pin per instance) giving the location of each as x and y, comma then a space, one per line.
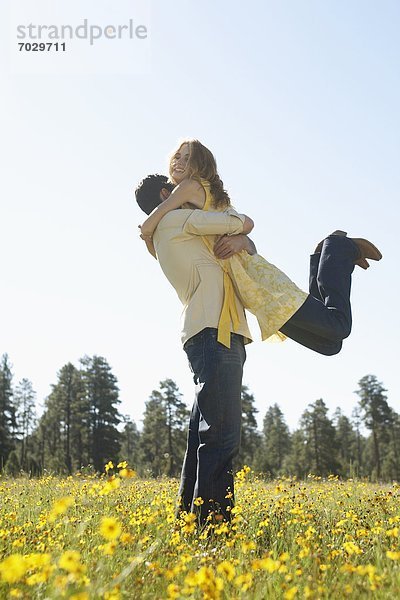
175, 218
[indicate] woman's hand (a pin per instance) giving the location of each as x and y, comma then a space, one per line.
146, 230
148, 240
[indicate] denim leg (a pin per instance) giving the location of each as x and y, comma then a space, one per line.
189, 467
302, 336
322, 324
312, 280
218, 374
336, 266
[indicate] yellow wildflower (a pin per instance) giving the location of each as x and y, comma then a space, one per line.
393, 532
323, 568
127, 473
348, 589
246, 546
37, 578
110, 528
126, 538
13, 568
289, 594
114, 594
352, 548
304, 552
109, 548
189, 522
244, 581
284, 557
60, 507
204, 575
226, 568
267, 564
173, 591
112, 484
36, 560
70, 561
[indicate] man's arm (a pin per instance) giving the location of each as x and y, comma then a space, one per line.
229, 222
228, 245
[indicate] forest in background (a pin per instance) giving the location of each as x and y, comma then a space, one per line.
81, 429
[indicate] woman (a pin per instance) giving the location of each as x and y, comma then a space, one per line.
320, 320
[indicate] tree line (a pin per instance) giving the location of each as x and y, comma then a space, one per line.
81, 428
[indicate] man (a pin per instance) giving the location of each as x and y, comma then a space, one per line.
198, 278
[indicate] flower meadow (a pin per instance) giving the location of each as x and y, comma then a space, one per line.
116, 536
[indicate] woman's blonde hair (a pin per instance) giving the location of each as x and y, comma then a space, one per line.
202, 165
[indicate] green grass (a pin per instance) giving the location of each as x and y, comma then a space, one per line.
89, 538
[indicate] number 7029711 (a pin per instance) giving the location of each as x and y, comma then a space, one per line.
41, 46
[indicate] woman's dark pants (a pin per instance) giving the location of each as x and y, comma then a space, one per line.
324, 320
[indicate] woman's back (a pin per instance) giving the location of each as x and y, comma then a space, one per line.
263, 289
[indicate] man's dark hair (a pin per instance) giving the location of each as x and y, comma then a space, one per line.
148, 191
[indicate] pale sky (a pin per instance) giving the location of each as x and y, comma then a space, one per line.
297, 99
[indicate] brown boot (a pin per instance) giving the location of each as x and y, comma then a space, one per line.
337, 232
365, 248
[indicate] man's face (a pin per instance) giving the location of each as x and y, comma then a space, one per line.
179, 163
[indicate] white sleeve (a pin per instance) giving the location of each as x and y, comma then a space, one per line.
203, 222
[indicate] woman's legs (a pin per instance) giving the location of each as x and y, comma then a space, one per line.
313, 276
324, 320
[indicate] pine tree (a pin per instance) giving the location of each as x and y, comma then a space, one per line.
7, 411
13, 466
24, 399
102, 395
38, 441
319, 434
391, 460
163, 439
65, 422
130, 443
297, 462
50, 431
250, 438
376, 416
360, 442
177, 418
346, 441
154, 437
275, 442
78, 445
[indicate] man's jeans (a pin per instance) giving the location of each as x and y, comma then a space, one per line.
214, 427
324, 320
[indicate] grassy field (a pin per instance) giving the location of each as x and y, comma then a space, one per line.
113, 537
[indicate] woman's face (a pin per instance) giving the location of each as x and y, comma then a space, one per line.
178, 167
